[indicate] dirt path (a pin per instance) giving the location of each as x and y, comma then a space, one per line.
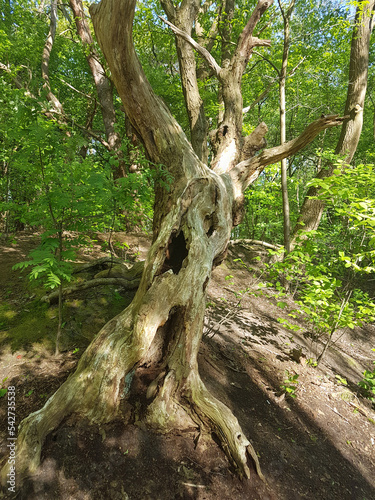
320, 445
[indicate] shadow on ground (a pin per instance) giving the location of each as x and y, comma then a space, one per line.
317, 446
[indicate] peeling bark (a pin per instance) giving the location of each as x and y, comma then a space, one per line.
227, 141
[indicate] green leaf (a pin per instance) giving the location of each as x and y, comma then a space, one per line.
282, 305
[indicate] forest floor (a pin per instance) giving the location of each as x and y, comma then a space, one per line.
318, 445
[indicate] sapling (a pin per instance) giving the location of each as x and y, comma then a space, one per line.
323, 277
71, 194
290, 384
50, 266
323, 300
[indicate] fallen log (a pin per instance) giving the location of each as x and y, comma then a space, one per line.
131, 284
79, 268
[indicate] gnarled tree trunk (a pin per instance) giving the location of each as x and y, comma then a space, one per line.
158, 336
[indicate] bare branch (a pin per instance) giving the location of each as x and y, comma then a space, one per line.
281, 9
291, 72
246, 242
259, 42
246, 41
65, 12
76, 90
270, 85
254, 142
269, 62
127, 284
246, 172
16, 80
201, 50
88, 132
260, 96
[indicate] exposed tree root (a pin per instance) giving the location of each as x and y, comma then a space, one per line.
160, 332
194, 406
104, 364
220, 420
97, 387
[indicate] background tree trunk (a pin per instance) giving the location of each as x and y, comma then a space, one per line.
312, 209
103, 85
284, 65
184, 17
46, 56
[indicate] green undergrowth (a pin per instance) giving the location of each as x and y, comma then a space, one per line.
34, 322
21, 327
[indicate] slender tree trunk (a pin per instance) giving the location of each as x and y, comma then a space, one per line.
60, 291
59, 326
312, 208
57, 106
284, 177
344, 302
184, 17
225, 30
103, 86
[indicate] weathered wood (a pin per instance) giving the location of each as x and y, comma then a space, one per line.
201, 50
254, 242
79, 268
52, 297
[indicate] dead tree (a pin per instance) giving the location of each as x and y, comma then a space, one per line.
157, 336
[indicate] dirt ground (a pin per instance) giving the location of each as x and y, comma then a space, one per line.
319, 445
